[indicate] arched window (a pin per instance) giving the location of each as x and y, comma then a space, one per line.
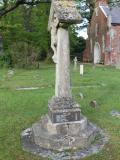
97, 53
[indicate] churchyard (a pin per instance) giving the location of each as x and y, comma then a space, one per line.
19, 109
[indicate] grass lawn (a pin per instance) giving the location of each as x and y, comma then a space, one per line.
19, 109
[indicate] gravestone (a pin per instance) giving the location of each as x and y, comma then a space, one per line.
81, 69
10, 74
75, 63
115, 113
93, 104
64, 127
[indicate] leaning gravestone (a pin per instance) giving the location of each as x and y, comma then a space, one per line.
63, 127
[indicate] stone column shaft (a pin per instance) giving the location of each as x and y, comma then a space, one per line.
62, 88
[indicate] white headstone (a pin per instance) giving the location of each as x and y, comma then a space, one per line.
81, 69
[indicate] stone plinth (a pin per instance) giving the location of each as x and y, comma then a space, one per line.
63, 109
61, 136
30, 146
64, 127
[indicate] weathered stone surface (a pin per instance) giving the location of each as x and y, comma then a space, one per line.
93, 104
30, 146
67, 115
26, 88
115, 113
62, 14
66, 11
62, 88
61, 136
63, 109
64, 127
72, 128
63, 102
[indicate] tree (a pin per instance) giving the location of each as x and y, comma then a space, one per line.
113, 3
26, 39
7, 6
77, 44
25, 35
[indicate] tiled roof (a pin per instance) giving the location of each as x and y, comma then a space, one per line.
114, 12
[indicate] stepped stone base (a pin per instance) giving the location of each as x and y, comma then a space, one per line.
61, 136
62, 129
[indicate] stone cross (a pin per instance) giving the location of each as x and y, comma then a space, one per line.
64, 127
63, 13
75, 63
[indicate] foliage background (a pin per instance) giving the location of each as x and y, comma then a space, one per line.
25, 36
25, 40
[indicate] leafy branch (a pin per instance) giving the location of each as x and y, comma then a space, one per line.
7, 6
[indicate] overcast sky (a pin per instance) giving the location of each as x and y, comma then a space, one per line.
83, 33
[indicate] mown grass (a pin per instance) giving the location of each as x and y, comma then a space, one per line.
19, 109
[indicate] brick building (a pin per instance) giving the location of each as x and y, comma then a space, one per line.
103, 43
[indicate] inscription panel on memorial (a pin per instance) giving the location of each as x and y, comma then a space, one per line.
63, 109
61, 117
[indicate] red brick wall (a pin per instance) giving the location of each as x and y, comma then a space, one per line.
107, 56
114, 55
101, 20
86, 55
116, 43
